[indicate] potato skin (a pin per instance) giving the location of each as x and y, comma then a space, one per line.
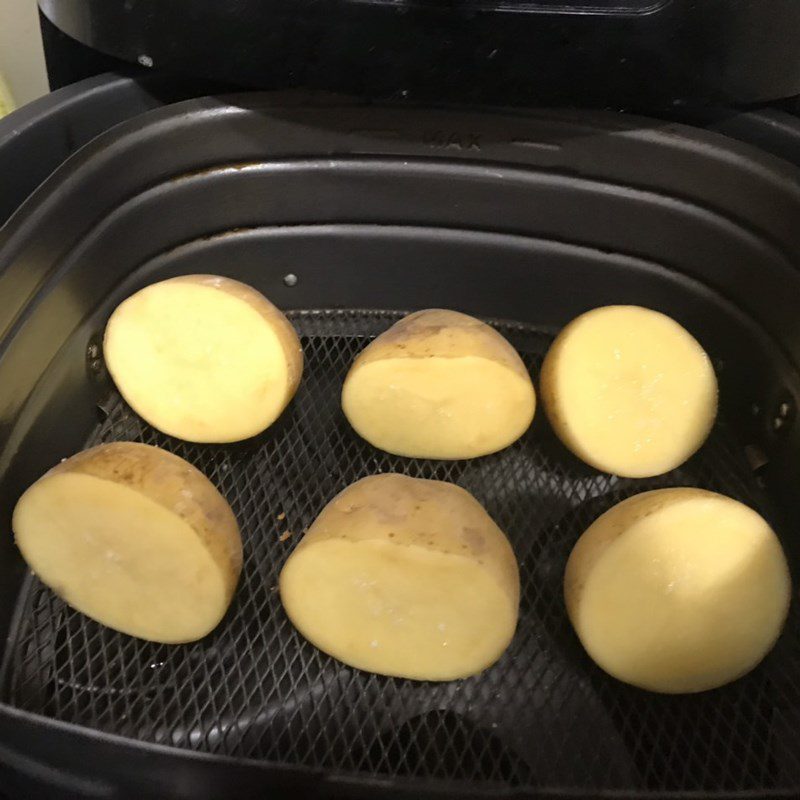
443, 333
172, 483
436, 515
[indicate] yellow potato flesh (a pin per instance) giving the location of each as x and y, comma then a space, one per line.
404, 577
629, 391
678, 590
200, 362
445, 408
403, 611
134, 538
439, 384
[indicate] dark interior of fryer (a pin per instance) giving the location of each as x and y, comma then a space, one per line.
527, 230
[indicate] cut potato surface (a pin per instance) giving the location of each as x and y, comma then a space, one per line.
678, 590
134, 537
629, 391
203, 358
439, 384
404, 577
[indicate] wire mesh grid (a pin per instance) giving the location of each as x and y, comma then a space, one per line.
543, 717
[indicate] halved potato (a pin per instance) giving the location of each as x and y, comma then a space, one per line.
203, 358
439, 384
629, 391
406, 577
678, 590
134, 537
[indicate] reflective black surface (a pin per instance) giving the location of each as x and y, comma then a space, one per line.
640, 54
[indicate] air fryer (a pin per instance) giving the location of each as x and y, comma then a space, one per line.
347, 215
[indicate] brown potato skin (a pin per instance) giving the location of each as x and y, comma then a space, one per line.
172, 483
437, 515
443, 333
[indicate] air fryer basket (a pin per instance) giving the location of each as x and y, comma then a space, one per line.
525, 221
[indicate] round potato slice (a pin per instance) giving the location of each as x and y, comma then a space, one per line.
134, 537
439, 384
405, 577
629, 391
203, 358
678, 590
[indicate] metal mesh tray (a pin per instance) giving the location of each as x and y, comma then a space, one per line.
544, 717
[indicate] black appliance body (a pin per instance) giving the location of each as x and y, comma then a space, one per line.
525, 219
653, 55
377, 205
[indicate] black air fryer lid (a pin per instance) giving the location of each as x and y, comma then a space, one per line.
620, 53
